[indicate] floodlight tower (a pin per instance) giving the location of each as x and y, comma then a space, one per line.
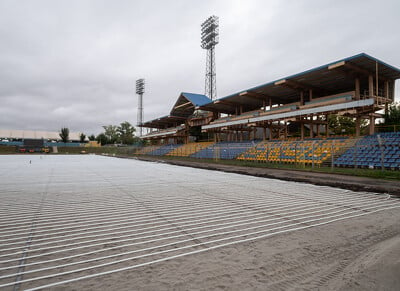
209, 38
140, 92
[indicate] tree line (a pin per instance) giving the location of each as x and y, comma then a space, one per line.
124, 133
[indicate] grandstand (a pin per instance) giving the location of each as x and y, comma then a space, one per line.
359, 87
286, 120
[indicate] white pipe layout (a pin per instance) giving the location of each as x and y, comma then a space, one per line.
270, 206
110, 221
218, 234
232, 224
65, 224
169, 220
208, 218
333, 218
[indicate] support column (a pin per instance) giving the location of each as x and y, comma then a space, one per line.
358, 125
301, 98
386, 95
371, 124
270, 131
302, 130
286, 130
386, 89
264, 133
327, 125
371, 85
310, 93
357, 88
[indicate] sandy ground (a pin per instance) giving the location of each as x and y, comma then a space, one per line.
357, 254
324, 179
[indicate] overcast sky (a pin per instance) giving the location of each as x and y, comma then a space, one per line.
74, 63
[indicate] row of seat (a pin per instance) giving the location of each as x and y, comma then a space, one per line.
224, 150
374, 151
188, 149
381, 150
163, 150
295, 151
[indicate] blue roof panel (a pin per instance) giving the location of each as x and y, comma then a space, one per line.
196, 99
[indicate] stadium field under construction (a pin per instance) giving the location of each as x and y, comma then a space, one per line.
95, 222
89, 222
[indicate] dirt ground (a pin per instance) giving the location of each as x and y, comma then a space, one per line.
324, 179
357, 254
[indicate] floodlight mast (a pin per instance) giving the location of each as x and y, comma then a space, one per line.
140, 92
210, 38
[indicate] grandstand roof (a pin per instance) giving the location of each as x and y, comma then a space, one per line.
324, 80
183, 108
164, 122
187, 102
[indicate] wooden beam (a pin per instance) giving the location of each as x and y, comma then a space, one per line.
184, 104
336, 65
254, 94
298, 85
224, 102
354, 68
358, 69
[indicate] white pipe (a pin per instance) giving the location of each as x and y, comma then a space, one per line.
181, 255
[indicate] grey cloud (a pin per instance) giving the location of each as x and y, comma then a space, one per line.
74, 63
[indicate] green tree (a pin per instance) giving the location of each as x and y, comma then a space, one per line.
64, 134
110, 131
343, 124
102, 139
92, 137
126, 133
392, 117
82, 137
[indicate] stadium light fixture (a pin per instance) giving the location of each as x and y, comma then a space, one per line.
140, 92
209, 39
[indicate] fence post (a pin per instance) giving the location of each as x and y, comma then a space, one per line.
355, 156
332, 153
313, 142
380, 142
